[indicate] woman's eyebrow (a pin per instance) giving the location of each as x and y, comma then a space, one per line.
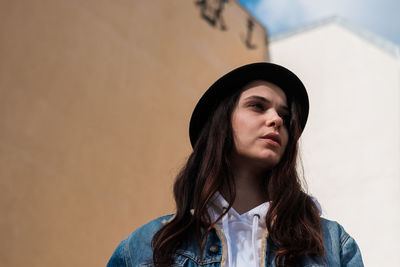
263, 99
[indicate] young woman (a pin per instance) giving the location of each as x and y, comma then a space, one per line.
239, 201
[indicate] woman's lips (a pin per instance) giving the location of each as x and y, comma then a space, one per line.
273, 139
272, 142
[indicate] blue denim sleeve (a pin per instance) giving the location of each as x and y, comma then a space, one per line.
350, 252
118, 257
136, 250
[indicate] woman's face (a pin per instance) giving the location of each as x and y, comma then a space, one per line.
258, 123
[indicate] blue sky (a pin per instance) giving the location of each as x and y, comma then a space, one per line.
381, 17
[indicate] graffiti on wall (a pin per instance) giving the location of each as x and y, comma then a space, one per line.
250, 27
212, 12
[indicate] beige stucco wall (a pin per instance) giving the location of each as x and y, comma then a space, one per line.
95, 99
351, 145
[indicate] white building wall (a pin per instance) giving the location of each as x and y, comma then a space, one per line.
351, 144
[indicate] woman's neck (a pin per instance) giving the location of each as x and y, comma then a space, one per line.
250, 191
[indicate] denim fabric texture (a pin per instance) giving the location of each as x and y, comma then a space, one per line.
136, 251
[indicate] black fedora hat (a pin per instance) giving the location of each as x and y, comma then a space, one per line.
235, 80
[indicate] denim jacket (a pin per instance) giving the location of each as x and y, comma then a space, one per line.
136, 251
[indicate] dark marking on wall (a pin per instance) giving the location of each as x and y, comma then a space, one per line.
250, 27
211, 11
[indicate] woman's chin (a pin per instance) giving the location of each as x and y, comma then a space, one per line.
264, 159
266, 162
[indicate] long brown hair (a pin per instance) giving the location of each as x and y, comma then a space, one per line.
292, 220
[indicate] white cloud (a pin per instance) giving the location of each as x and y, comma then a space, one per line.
279, 15
324, 8
379, 16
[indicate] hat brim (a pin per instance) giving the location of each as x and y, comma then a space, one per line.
235, 80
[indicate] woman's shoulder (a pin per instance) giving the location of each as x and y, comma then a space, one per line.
136, 249
149, 229
339, 245
334, 231
332, 227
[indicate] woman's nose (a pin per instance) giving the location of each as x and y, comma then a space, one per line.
274, 120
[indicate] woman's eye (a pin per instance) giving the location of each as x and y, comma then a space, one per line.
257, 106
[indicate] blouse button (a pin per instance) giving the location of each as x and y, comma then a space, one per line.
214, 249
